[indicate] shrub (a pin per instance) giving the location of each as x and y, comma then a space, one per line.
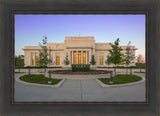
80, 67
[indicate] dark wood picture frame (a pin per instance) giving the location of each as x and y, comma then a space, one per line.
148, 7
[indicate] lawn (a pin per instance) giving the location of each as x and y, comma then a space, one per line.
121, 79
18, 72
39, 79
139, 72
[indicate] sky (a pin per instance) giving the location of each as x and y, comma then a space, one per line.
30, 29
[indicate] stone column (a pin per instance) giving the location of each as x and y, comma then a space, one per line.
90, 56
72, 57
30, 59
54, 60
34, 59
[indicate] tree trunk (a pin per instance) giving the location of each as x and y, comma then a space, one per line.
49, 76
111, 76
111, 81
115, 73
139, 69
44, 73
130, 71
127, 70
29, 71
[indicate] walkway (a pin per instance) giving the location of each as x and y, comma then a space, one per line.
78, 91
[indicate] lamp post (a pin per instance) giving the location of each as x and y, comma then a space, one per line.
111, 75
49, 82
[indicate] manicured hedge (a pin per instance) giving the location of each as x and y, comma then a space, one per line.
80, 67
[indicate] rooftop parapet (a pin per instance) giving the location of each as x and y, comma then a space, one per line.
79, 38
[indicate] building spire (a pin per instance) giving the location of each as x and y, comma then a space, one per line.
79, 34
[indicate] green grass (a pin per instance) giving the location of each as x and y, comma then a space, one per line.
122, 67
39, 79
121, 79
139, 72
18, 72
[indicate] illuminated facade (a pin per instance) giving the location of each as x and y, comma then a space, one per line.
78, 49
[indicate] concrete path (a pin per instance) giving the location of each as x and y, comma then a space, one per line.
79, 91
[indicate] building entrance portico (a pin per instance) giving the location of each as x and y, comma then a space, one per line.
79, 56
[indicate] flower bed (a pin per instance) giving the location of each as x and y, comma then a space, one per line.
92, 72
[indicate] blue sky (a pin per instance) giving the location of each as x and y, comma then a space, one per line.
30, 29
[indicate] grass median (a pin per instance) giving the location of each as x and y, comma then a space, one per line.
139, 72
39, 79
121, 79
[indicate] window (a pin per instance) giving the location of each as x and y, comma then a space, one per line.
84, 57
101, 60
74, 57
79, 57
57, 60
36, 60
126, 62
122, 63
33, 60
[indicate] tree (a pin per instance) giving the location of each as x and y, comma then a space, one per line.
15, 61
92, 62
43, 55
19, 62
115, 54
129, 57
108, 61
139, 60
66, 60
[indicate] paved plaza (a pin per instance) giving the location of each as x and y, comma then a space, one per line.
81, 90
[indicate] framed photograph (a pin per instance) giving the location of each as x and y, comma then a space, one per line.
72, 58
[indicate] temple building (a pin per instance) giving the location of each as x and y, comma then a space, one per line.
78, 49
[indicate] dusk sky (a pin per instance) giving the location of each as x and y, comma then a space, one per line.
30, 29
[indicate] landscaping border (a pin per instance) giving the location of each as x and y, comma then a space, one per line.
40, 85
120, 85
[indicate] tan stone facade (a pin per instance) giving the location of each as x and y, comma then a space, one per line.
79, 51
